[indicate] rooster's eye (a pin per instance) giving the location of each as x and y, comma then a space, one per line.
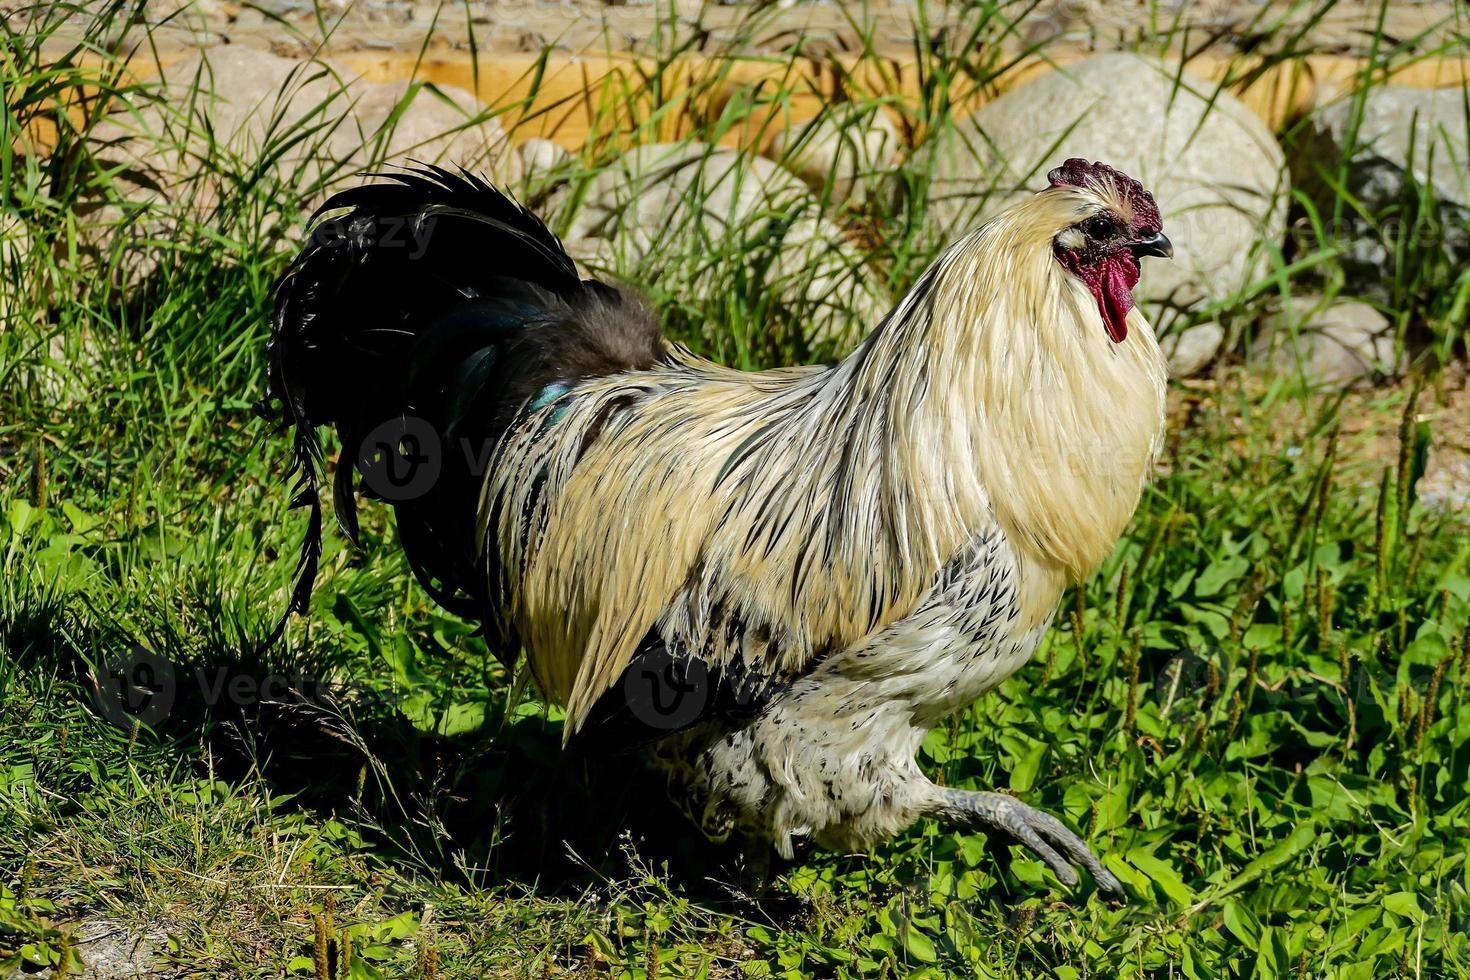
1099, 227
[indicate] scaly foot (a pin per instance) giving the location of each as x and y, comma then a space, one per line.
1041, 832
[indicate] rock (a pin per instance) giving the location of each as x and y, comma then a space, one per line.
599, 258
15, 244
684, 215
1446, 481
113, 951
1403, 133
447, 127
222, 113
248, 18
424, 15
541, 162
59, 358
1190, 350
1406, 139
256, 102
1214, 167
1445, 484
1331, 342
843, 155
716, 190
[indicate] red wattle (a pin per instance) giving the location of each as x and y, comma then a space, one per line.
1115, 294
1111, 281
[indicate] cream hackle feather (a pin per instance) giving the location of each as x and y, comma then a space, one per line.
762, 519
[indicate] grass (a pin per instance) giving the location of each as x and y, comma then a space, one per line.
1258, 709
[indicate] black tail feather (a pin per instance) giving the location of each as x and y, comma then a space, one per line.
430, 309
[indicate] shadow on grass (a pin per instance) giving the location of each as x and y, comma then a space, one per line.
500, 805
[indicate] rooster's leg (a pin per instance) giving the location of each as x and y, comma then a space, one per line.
1043, 833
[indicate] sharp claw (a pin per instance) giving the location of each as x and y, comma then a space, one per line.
1076, 849
1017, 827
1041, 832
1063, 871
1109, 882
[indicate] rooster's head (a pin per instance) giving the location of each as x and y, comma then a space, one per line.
1116, 223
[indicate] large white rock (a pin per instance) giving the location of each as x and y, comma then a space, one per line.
1340, 343
1215, 169
16, 265
843, 154
1401, 132
309, 120
56, 357
541, 159
692, 218
1191, 350
400, 122
1386, 145
295, 130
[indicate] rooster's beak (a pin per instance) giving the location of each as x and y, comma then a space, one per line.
1154, 244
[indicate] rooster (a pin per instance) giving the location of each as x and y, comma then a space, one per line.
777, 581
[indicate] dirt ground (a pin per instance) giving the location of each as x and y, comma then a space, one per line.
1446, 481
1368, 427
296, 27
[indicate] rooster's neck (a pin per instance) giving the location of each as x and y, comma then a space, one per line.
1010, 405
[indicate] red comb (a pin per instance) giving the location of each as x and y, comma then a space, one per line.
1077, 172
